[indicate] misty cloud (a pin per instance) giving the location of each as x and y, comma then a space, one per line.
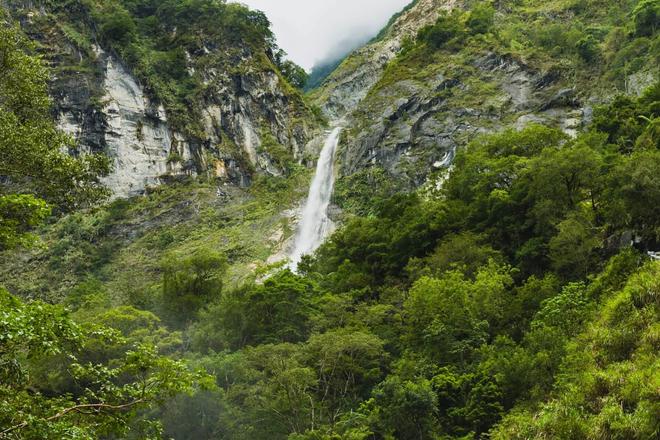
313, 31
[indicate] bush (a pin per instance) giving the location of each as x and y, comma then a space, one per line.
481, 19
446, 28
587, 48
117, 27
190, 283
646, 17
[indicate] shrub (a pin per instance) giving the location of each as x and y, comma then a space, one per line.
481, 19
646, 17
446, 28
587, 48
117, 27
192, 282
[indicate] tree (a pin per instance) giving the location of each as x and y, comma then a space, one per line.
405, 409
446, 28
440, 319
116, 25
348, 363
109, 396
572, 249
638, 187
587, 48
463, 252
646, 17
37, 174
481, 18
294, 74
279, 310
192, 282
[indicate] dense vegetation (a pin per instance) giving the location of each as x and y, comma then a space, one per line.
585, 37
60, 379
488, 65
479, 307
511, 297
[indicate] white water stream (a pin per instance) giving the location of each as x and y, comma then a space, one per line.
315, 225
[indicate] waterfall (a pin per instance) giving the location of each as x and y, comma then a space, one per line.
315, 225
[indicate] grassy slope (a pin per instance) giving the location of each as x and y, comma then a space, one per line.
122, 244
608, 385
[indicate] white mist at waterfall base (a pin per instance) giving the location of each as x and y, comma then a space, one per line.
315, 224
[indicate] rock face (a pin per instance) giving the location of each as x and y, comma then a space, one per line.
137, 136
349, 84
103, 106
409, 119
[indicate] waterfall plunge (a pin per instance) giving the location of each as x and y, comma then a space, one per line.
315, 224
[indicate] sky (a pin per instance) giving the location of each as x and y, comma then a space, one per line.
312, 31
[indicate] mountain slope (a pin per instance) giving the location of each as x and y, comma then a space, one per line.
492, 276
411, 100
168, 90
349, 83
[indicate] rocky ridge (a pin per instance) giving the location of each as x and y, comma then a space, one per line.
343, 90
409, 115
100, 103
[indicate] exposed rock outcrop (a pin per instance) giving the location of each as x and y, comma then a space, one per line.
410, 123
100, 102
349, 84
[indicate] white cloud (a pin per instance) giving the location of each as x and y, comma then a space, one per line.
313, 30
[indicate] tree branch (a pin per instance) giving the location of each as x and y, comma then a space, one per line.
97, 407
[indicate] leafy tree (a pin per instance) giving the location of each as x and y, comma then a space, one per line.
117, 26
572, 249
446, 28
267, 392
279, 310
296, 75
625, 120
110, 395
481, 18
405, 409
441, 319
462, 252
639, 192
348, 364
192, 282
37, 175
646, 16
587, 48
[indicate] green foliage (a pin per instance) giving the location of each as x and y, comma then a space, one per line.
192, 282
278, 310
294, 74
587, 48
461, 252
362, 192
446, 28
629, 123
481, 18
19, 214
449, 318
108, 397
33, 161
646, 17
572, 250
504, 304
606, 386
117, 26
167, 43
405, 409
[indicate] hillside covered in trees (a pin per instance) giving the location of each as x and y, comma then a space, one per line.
503, 284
